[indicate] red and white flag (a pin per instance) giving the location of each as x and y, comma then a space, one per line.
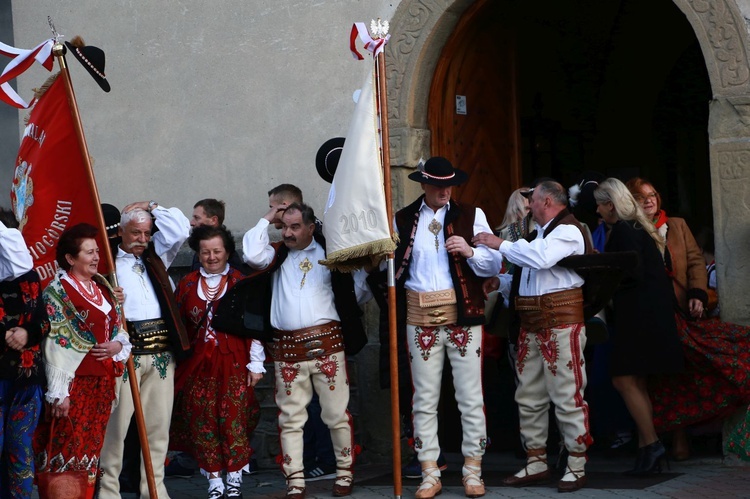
50, 191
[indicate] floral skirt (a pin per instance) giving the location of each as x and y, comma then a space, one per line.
715, 381
78, 439
215, 413
738, 441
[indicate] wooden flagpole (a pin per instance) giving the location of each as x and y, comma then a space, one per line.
59, 51
392, 328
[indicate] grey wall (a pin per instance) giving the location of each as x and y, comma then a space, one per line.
218, 99
9, 140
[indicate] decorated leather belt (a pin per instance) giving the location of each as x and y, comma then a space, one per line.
551, 310
308, 343
431, 308
149, 336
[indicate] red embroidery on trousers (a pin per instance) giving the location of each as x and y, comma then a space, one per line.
577, 365
425, 338
546, 340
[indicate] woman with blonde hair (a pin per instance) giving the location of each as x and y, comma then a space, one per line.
644, 339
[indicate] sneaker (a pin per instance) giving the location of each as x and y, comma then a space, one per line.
252, 468
175, 469
622, 438
414, 468
320, 472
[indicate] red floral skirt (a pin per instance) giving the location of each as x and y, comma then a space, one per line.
215, 412
78, 439
715, 381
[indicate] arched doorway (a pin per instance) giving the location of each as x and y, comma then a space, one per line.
584, 89
551, 88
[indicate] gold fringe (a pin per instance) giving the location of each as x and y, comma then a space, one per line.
38, 92
356, 257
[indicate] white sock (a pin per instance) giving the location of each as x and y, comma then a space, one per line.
576, 464
235, 478
534, 465
215, 483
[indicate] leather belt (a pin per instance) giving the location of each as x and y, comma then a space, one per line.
431, 309
307, 343
149, 336
551, 310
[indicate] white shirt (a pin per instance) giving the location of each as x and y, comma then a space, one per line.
141, 302
257, 353
429, 269
294, 306
540, 273
15, 259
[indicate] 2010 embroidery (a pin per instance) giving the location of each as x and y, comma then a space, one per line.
417, 443
328, 365
546, 340
460, 337
289, 373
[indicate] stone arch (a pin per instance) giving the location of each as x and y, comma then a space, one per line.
420, 29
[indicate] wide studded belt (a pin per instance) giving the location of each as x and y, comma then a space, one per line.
551, 310
149, 336
308, 343
432, 308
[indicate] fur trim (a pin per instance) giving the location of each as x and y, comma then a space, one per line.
573, 193
77, 41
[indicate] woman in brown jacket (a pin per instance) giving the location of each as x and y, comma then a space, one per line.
712, 384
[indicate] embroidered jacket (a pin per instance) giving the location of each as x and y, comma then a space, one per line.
21, 305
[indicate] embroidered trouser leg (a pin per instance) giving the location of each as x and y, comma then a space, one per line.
155, 374
428, 347
19, 415
295, 382
550, 367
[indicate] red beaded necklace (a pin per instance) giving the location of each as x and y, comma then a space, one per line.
212, 292
94, 295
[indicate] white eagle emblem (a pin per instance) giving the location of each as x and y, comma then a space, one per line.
22, 192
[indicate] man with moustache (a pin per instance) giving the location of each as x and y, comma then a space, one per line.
156, 332
315, 317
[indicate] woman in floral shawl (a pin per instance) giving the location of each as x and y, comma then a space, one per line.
23, 324
83, 355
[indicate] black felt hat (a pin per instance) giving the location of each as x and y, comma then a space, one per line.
92, 58
440, 172
111, 219
328, 157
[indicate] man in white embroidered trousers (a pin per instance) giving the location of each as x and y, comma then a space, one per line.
156, 333
550, 365
440, 313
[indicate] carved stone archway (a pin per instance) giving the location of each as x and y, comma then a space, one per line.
420, 29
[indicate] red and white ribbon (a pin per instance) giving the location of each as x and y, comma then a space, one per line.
373, 46
21, 61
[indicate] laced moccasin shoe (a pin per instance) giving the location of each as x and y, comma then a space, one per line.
535, 471
472, 478
343, 486
572, 480
431, 485
294, 492
575, 475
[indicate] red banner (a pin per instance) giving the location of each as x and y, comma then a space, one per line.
50, 192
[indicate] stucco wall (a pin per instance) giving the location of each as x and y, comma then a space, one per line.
209, 99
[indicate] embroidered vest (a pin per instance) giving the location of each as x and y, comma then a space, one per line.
459, 220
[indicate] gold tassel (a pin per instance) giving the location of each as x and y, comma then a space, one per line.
38, 92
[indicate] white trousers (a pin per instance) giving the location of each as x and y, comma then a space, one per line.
551, 368
155, 374
295, 382
428, 347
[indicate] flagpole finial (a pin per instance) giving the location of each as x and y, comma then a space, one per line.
58, 48
379, 28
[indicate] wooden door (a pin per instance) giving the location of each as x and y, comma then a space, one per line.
478, 63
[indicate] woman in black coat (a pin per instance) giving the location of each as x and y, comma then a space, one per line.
645, 340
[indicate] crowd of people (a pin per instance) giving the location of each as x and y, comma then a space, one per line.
199, 348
